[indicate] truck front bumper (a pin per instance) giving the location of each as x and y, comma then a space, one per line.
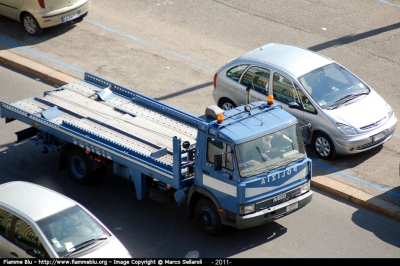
273, 213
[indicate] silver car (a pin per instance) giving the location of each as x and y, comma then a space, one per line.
339, 113
36, 222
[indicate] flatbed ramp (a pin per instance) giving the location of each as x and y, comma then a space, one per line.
116, 118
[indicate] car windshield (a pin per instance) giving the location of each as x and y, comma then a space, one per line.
67, 230
270, 151
332, 86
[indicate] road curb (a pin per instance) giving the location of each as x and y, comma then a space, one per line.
35, 69
323, 183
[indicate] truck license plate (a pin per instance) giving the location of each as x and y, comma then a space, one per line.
292, 207
70, 16
379, 136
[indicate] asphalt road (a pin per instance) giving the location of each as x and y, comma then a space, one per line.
170, 50
326, 228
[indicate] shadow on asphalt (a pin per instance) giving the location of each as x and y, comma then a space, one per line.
386, 234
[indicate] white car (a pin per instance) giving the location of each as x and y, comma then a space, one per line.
39, 14
36, 222
339, 113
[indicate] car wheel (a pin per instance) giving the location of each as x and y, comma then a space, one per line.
324, 146
227, 104
79, 166
208, 218
31, 25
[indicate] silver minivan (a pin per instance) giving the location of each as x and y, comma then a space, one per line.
339, 113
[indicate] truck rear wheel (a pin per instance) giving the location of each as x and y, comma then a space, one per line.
79, 166
208, 218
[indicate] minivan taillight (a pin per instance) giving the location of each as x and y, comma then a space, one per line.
41, 3
215, 80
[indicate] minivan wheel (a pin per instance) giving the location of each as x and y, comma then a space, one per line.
324, 146
31, 25
227, 104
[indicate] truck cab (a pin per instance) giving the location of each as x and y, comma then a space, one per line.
253, 168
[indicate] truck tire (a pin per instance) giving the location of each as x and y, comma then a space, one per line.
323, 146
79, 166
208, 218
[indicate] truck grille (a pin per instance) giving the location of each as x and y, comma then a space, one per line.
269, 202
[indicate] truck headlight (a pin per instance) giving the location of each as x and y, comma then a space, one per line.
345, 129
304, 188
246, 209
389, 110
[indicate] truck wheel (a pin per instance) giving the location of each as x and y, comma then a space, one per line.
324, 146
227, 104
31, 25
79, 167
208, 218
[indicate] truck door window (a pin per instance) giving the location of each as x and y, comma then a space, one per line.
257, 78
215, 147
283, 90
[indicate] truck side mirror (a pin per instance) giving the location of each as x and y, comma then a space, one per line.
218, 162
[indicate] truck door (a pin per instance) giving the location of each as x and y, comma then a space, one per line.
258, 79
285, 92
221, 183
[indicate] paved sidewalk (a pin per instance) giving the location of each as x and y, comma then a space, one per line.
323, 183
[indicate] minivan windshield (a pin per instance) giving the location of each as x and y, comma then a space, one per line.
332, 86
270, 151
69, 229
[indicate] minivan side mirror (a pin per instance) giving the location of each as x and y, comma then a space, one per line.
294, 105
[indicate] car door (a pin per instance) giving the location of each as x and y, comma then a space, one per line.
220, 181
258, 79
25, 239
286, 91
5, 230
10, 8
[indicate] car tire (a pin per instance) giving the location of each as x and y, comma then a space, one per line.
208, 218
226, 104
323, 146
79, 167
31, 25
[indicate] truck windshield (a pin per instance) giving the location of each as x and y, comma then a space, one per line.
270, 151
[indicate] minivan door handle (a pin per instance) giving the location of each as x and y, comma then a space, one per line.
14, 254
